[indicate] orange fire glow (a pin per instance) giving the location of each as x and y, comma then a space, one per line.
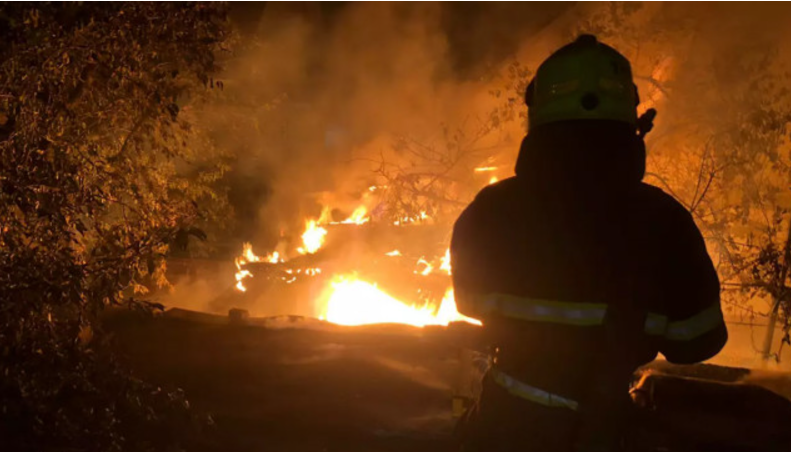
240, 275
312, 238
246, 257
419, 218
358, 216
445, 262
349, 300
424, 267
352, 301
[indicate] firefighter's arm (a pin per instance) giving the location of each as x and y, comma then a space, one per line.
467, 259
695, 329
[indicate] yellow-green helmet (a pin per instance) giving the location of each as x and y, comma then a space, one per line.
582, 80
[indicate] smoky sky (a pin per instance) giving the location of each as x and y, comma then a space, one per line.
315, 81
314, 89
479, 34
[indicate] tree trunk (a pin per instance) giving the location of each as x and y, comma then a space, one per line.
766, 352
779, 295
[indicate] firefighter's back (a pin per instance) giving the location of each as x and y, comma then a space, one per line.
579, 271
546, 266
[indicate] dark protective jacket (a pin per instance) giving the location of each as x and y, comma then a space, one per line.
575, 241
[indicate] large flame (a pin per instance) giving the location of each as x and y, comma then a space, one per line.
352, 301
445, 262
448, 310
248, 256
312, 238
349, 300
358, 216
240, 275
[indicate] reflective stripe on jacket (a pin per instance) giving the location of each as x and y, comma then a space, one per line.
543, 270
531, 393
589, 314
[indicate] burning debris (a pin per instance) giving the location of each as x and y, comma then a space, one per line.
366, 265
359, 216
352, 301
313, 238
342, 293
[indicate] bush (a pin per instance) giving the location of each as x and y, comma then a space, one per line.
99, 172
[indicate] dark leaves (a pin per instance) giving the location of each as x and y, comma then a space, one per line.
90, 198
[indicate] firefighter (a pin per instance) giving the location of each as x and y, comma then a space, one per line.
579, 271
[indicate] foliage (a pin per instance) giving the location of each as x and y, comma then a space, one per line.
99, 172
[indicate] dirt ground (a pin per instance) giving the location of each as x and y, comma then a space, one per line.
299, 385
270, 389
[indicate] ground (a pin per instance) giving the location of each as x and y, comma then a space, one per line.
301, 385
303, 389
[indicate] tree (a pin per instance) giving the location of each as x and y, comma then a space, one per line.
100, 170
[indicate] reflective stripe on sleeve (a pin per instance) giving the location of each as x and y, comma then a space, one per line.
592, 314
531, 393
684, 330
655, 324
522, 308
695, 326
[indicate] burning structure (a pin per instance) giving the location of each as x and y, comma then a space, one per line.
354, 271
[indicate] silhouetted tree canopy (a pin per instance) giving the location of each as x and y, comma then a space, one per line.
99, 172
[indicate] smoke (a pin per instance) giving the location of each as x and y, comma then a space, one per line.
315, 95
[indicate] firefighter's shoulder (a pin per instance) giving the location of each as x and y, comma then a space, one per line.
499, 192
660, 199
662, 208
496, 195
486, 208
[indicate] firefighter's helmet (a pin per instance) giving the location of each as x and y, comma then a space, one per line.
583, 80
